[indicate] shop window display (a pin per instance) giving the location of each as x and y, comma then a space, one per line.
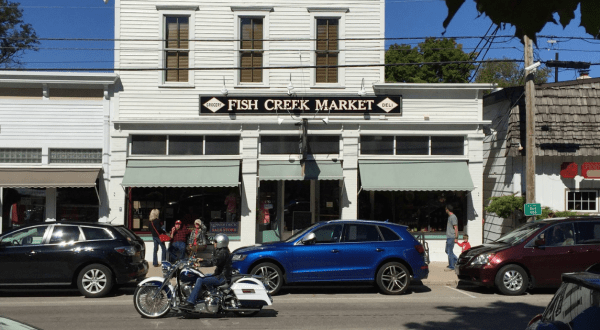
185, 204
22, 206
77, 204
421, 211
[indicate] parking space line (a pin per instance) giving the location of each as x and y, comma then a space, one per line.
461, 291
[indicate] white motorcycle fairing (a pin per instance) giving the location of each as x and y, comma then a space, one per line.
251, 289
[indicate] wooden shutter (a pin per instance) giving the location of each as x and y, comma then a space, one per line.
251, 57
327, 50
177, 44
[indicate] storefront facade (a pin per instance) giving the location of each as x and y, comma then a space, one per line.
261, 150
54, 147
567, 157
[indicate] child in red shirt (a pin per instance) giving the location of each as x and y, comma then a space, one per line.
465, 244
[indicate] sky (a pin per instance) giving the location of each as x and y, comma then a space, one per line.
73, 19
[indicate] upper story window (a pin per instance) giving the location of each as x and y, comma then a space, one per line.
251, 49
412, 145
20, 155
195, 145
177, 48
327, 50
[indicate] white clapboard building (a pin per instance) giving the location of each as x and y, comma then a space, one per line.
262, 118
54, 146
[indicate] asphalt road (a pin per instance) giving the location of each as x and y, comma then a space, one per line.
302, 307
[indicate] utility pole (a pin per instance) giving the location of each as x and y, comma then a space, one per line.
530, 128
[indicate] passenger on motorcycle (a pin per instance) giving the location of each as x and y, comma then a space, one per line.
222, 259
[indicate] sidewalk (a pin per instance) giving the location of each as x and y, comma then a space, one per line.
437, 275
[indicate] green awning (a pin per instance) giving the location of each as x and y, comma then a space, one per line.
182, 173
386, 175
269, 170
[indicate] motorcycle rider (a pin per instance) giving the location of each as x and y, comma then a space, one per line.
221, 258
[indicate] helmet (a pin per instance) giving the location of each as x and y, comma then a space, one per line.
222, 240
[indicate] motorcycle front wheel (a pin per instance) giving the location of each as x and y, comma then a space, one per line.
148, 305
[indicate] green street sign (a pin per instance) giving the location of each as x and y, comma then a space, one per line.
532, 209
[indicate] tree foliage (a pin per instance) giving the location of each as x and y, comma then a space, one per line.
509, 74
431, 50
15, 35
530, 16
504, 206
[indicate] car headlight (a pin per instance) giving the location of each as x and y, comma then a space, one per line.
482, 259
239, 257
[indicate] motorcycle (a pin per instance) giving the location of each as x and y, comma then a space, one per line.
155, 296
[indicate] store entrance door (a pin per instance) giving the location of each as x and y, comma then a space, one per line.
293, 205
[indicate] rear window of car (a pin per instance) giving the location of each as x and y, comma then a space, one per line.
588, 232
126, 232
361, 233
92, 233
65, 234
388, 234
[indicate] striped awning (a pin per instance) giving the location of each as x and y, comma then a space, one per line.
182, 173
388, 175
48, 177
271, 170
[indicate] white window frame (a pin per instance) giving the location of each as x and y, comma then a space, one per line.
174, 10
251, 12
328, 13
567, 191
428, 155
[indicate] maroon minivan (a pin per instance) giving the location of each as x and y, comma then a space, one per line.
533, 255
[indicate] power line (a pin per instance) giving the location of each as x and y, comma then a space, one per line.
263, 67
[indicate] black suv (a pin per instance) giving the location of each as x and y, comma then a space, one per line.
94, 256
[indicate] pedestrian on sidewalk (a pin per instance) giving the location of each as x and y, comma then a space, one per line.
179, 235
465, 244
451, 237
156, 230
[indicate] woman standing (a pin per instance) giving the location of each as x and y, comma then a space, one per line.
156, 229
197, 241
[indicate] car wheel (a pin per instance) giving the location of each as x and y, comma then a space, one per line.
512, 280
95, 281
272, 276
393, 278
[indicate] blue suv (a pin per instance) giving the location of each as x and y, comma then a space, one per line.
339, 250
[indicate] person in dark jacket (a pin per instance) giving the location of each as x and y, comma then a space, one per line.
222, 259
156, 229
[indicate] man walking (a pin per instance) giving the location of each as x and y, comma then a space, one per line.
451, 237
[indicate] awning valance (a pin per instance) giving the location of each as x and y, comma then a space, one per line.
182, 173
387, 175
269, 170
48, 177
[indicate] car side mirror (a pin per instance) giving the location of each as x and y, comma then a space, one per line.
309, 239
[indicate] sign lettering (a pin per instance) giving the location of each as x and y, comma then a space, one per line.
252, 105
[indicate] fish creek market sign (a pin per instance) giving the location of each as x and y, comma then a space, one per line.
251, 105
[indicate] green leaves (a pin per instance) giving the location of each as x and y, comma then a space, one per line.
431, 50
15, 35
530, 16
505, 206
508, 74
